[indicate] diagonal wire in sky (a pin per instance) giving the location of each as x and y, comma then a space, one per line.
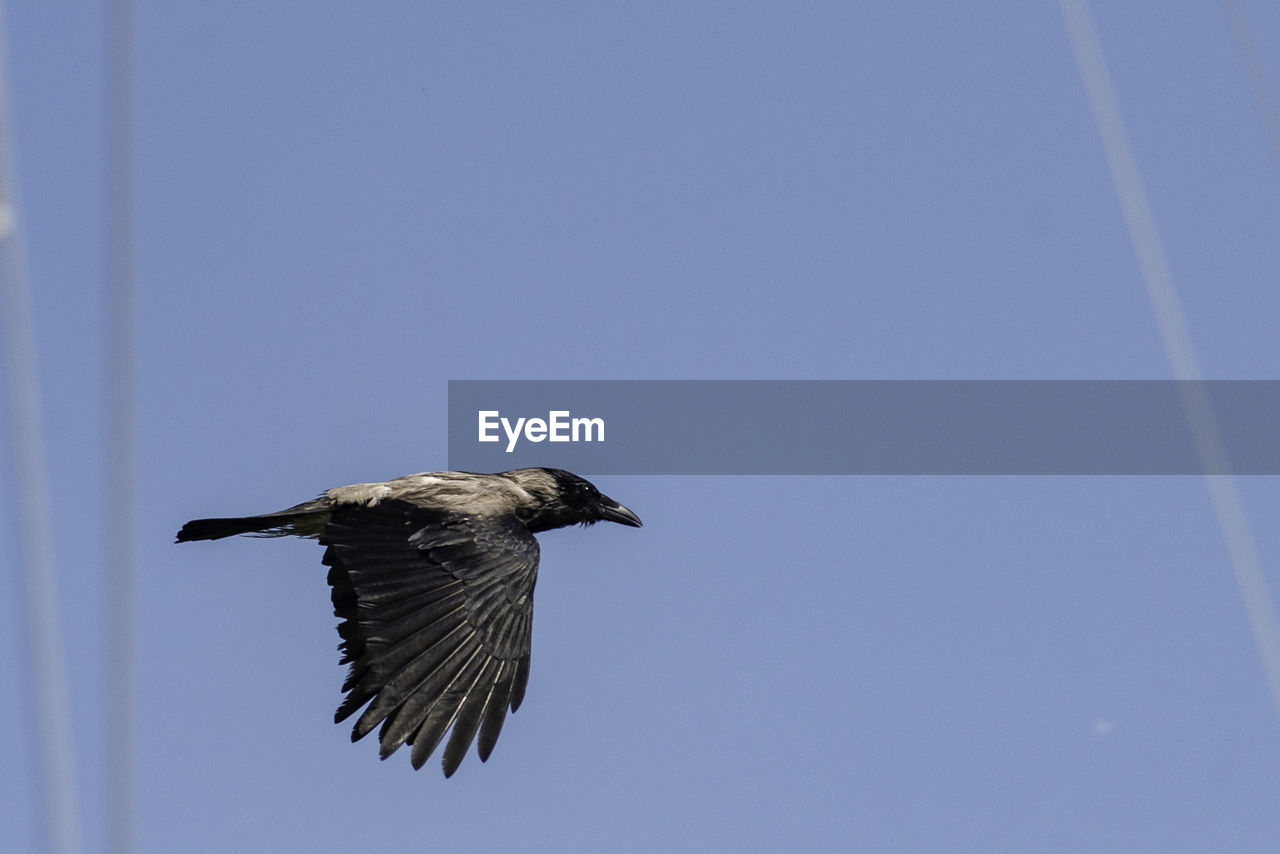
38, 574
1252, 582
1264, 100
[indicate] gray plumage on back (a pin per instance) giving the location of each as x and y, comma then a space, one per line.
433, 577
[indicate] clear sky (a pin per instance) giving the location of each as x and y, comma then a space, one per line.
343, 206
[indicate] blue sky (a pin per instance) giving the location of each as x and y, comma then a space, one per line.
341, 207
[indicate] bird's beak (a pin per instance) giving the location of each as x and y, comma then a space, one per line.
612, 511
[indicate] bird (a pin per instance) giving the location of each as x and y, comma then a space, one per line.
432, 579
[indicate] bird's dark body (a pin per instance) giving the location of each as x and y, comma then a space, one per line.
433, 577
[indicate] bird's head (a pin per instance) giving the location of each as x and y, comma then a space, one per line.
563, 498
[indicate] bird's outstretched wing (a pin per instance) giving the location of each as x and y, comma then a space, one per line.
436, 611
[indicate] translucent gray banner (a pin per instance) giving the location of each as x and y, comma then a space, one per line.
866, 426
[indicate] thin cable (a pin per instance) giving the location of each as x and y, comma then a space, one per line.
1241, 550
119, 448
1264, 100
39, 580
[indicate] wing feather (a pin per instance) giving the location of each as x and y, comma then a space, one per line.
520, 682
435, 618
441, 716
415, 686
470, 711
495, 711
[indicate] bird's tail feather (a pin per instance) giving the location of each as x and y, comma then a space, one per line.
216, 529
305, 520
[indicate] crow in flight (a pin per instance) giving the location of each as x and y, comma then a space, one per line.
432, 578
